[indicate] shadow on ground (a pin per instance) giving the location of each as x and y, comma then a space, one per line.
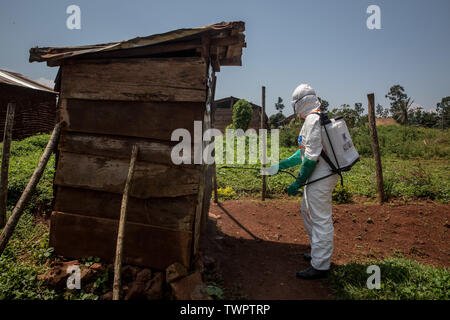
257, 268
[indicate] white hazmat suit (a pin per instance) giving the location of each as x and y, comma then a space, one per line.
316, 203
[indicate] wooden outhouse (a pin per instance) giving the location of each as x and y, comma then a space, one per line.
35, 110
119, 94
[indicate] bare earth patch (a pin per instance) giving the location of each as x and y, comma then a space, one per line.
259, 246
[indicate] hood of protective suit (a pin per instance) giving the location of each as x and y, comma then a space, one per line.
304, 100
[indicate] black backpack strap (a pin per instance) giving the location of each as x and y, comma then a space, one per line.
332, 166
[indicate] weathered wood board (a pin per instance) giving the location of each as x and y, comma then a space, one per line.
109, 175
172, 213
78, 236
138, 119
118, 147
151, 79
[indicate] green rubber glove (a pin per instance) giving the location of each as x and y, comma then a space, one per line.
292, 161
306, 170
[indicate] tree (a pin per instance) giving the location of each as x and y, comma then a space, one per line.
242, 114
279, 106
350, 115
443, 110
359, 108
400, 103
323, 104
381, 112
275, 119
405, 107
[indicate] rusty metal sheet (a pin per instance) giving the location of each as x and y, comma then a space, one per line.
55, 55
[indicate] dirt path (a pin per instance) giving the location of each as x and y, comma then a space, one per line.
259, 246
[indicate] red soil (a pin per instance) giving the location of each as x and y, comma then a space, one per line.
259, 246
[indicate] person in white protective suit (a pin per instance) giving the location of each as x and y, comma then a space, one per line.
316, 202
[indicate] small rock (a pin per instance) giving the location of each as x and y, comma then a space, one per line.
107, 296
137, 288
129, 273
190, 287
97, 267
144, 275
175, 271
200, 293
56, 277
155, 289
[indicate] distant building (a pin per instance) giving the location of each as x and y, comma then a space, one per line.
35, 105
223, 115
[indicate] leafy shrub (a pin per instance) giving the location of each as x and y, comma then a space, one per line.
242, 114
400, 279
419, 182
342, 194
226, 193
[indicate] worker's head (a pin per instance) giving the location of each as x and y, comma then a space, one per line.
304, 100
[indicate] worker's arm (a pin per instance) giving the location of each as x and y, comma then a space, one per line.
313, 147
306, 170
292, 161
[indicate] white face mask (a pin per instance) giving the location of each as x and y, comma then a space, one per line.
305, 105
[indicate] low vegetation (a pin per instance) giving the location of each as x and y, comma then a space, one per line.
415, 166
409, 174
400, 279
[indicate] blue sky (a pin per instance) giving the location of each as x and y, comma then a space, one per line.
323, 43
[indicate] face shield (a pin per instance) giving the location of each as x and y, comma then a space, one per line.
305, 105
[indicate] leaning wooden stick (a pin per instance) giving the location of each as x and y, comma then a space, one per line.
28, 192
7, 136
121, 232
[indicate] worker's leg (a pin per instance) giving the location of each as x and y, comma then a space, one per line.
305, 215
318, 196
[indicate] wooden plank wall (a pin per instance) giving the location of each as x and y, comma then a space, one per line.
108, 106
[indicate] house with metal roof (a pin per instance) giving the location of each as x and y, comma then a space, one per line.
35, 110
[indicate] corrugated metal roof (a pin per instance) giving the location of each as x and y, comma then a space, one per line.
16, 79
228, 38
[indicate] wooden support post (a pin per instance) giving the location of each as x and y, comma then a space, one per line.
213, 111
121, 231
264, 151
31, 186
375, 147
7, 137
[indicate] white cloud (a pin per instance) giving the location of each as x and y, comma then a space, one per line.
46, 82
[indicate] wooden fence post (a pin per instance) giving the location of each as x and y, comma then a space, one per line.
122, 221
375, 147
7, 137
28, 192
264, 151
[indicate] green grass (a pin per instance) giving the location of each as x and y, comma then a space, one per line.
27, 253
401, 279
406, 179
415, 161
404, 142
